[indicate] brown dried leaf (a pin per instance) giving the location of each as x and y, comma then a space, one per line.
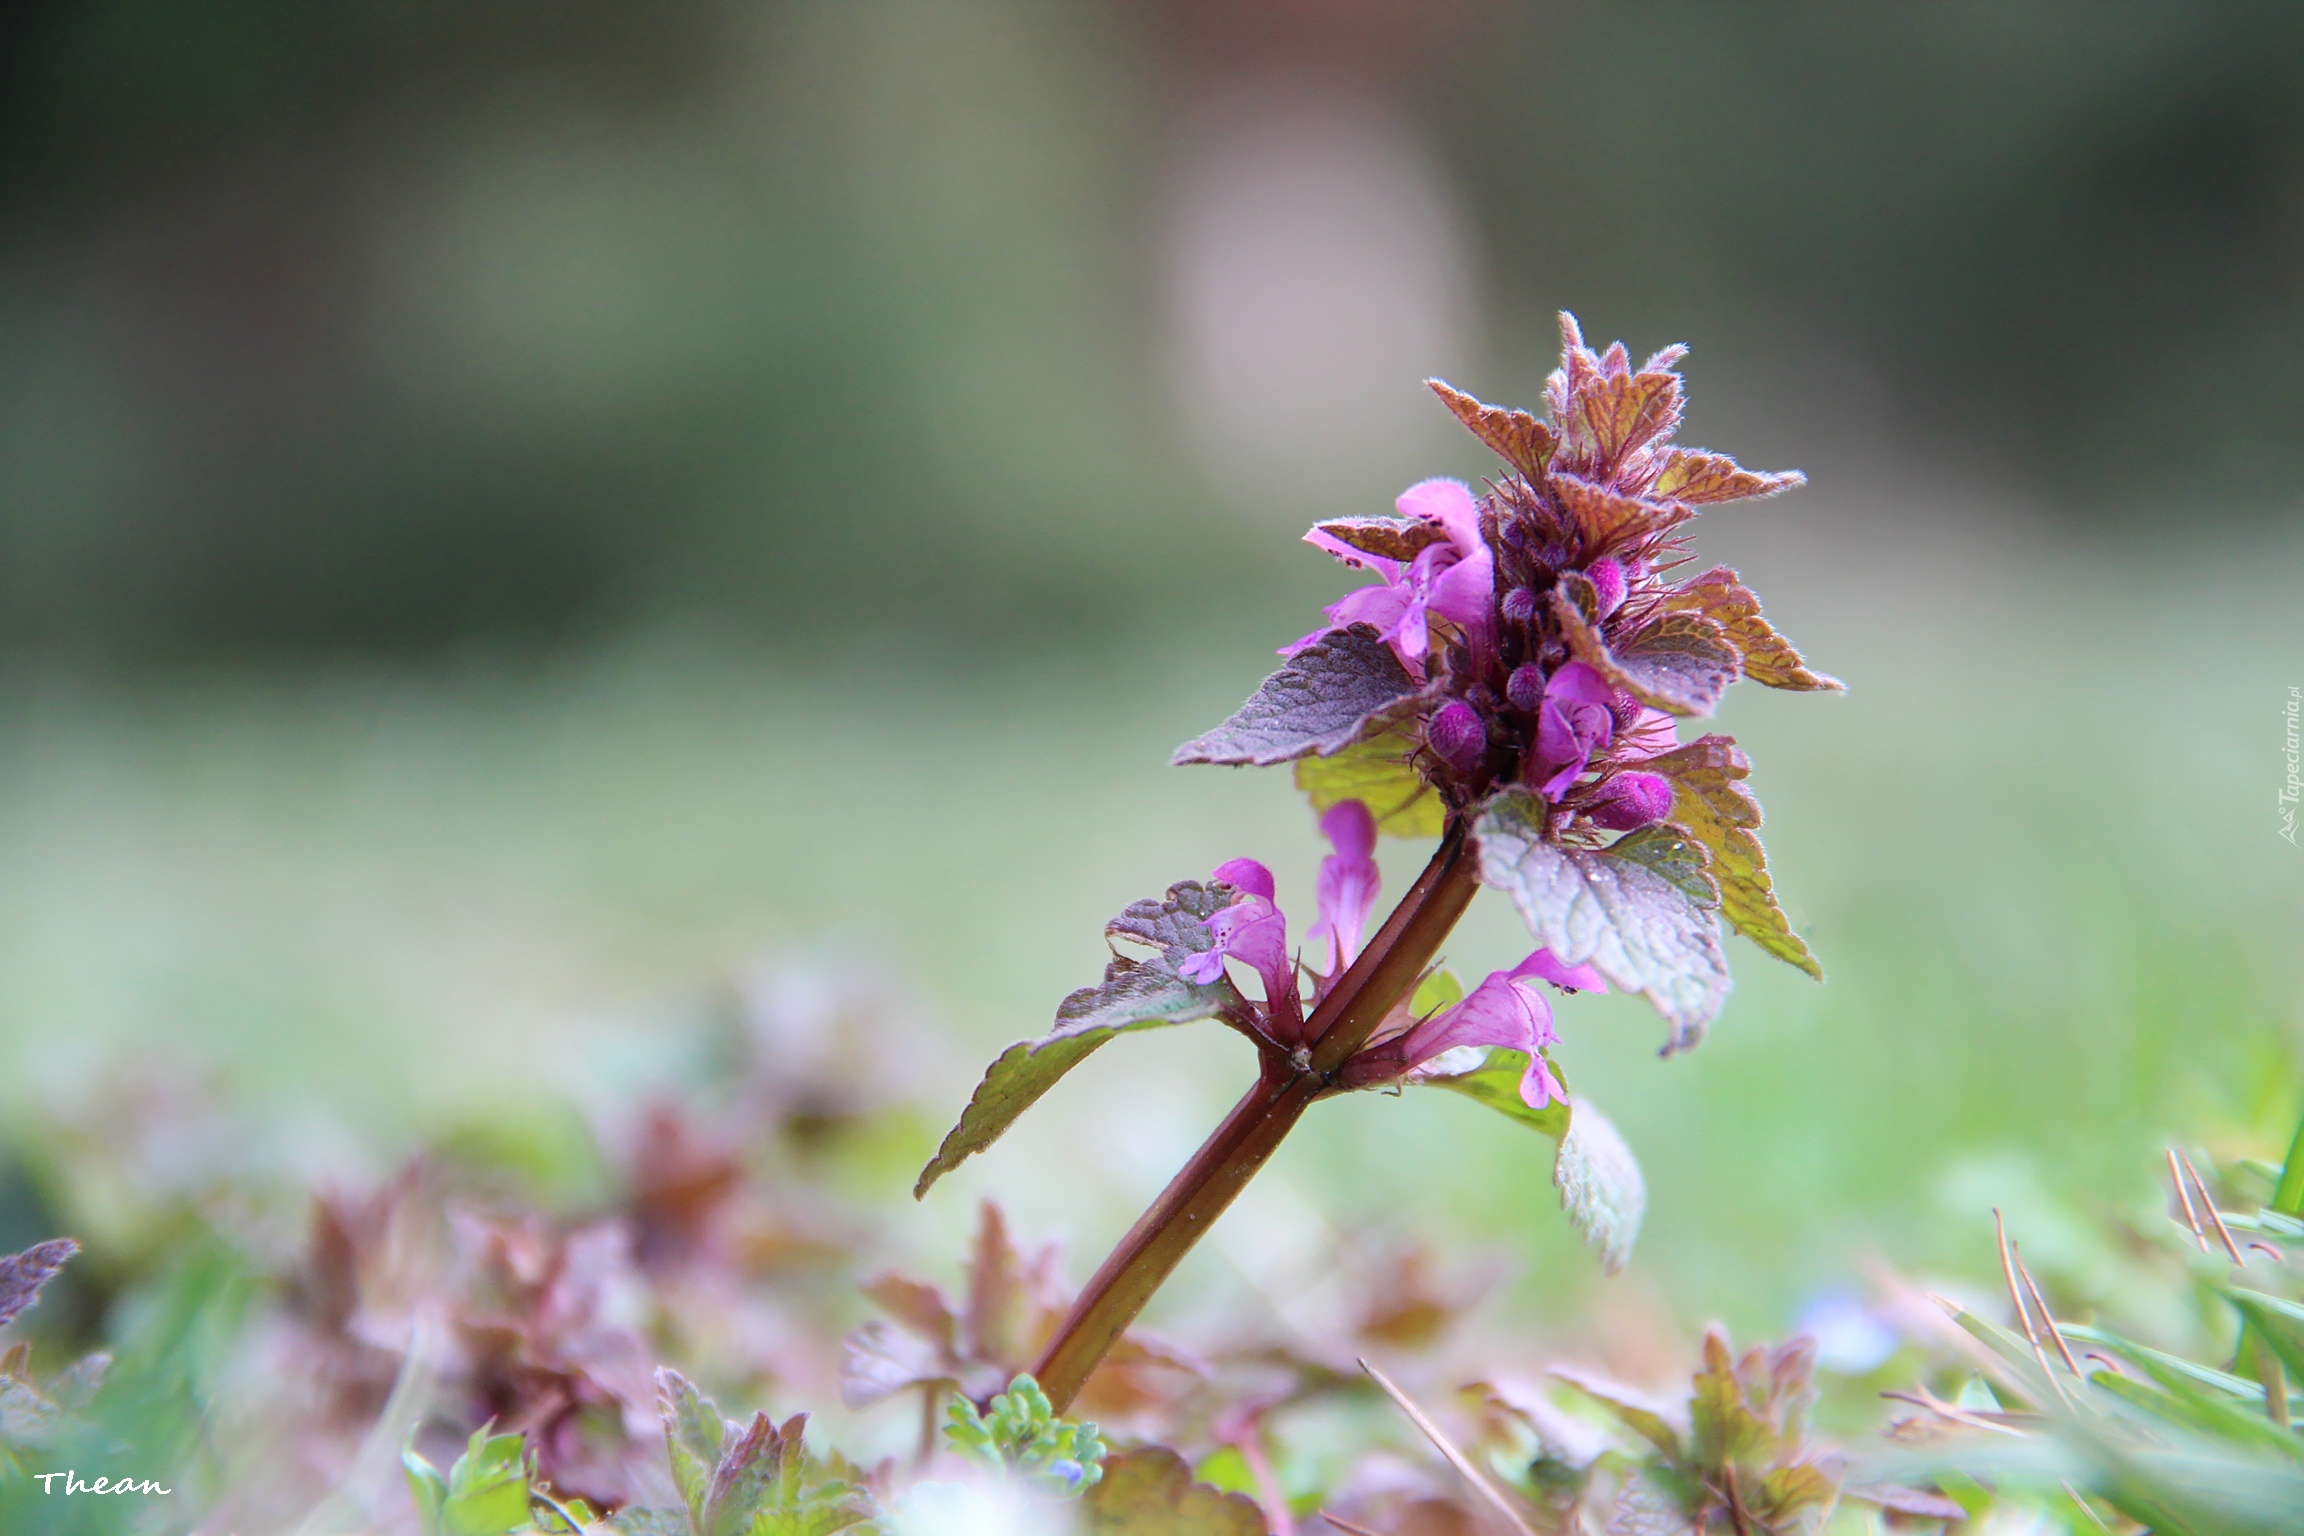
1393, 538
1150, 1492
1769, 658
1518, 437
1692, 475
1710, 800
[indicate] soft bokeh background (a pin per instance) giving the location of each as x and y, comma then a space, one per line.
518, 515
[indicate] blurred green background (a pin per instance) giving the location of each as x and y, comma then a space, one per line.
513, 513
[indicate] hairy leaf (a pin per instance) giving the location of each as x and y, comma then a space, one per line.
1495, 1082
1609, 520
1691, 474
1672, 853
486, 1491
1135, 994
1622, 412
693, 1434
1648, 1505
1600, 1185
1518, 438
1710, 801
1769, 659
1679, 662
1150, 1492
1376, 771
1637, 928
22, 1275
879, 1360
1329, 695
1393, 538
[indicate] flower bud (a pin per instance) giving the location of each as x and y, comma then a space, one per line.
1525, 687
1520, 605
1607, 578
1630, 800
1457, 736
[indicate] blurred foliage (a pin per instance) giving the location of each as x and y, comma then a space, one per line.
392, 324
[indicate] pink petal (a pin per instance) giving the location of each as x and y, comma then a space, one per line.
1380, 606
1448, 503
1387, 568
1351, 828
1244, 875
1546, 966
1579, 683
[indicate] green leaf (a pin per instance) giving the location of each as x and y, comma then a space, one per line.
2176, 1401
1675, 857
1710, 801
1600, 1185
1638, 929
1439, 989
1150, 1492
426, 1487
1496, 1083
1329, 695
487, 1489
747, 1473
1023, 1437
2280, 1322
1678, 662
1648, 1503
693, 1434
1135, 994
1376, 770
649, 1522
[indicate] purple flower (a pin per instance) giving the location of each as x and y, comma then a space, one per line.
1625, 801
1453, 580
1252, 930
1505, 1010
1348, 886
1457, 736
1573, 721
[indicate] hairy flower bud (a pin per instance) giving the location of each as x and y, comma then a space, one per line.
1608, 580
1525, 687
1631, 800
1520, 605
1457, 736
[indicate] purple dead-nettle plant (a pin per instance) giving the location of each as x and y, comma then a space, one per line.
1512, 683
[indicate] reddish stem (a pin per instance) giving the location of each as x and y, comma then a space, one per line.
1249, 1135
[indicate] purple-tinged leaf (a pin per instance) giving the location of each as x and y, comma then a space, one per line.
879, 1360
1769, 658
1710, 801
1680, 662
1392, 538
1692, 475
1609, 520
22, 1275
1624, 412
1636, 928
1647, 1505
1517, 437
1330, 694
1135, 994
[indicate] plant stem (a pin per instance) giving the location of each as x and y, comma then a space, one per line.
1249, 1135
